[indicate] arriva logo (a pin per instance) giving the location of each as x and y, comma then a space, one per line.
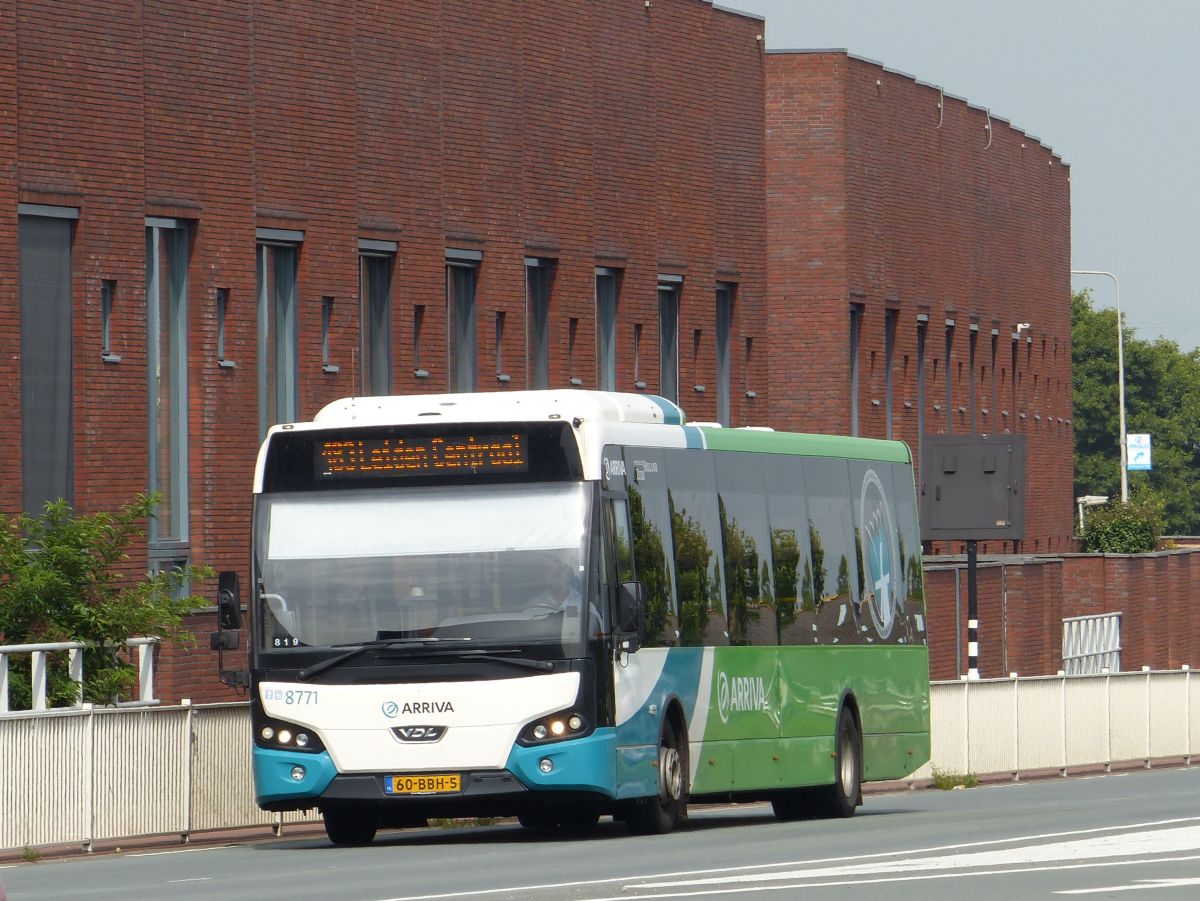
736, 694
613, 468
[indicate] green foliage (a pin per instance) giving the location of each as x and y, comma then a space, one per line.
1132, 528
652, 571
947, 781
63, 578
1162, 399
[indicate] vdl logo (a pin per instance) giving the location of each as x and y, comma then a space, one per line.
884, 566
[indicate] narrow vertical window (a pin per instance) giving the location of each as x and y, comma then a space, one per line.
974, 340
949, 376
47, 398
222, 315
108, 297
501, 375
278, 336
376, 261
748, 354
856, 316
890, 318
922, 328
724, 326
1012, 374
995, 380
638, 382
418, 324
462, 275
326, 327
668, 336
167, 349
606, 327
572, 337
539, 275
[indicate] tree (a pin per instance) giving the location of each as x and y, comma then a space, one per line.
1162, 398
63, 578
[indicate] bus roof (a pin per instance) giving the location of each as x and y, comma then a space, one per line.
508, 406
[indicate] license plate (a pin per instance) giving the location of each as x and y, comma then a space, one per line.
425, 784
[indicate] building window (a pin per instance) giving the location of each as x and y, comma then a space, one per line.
108, 298
376, 262
278, 264
856, 317
606, 327
418, 326
462, 276
668, 336
890, 318
724, 326
995, 381
949, 376
47, 398
167, 359
539, 276
222, 315
974, 340
922, 328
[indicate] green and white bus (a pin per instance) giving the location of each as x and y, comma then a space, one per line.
560, 605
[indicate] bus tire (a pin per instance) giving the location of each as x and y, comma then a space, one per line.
656, 816
537, 818
840, 799
349, 827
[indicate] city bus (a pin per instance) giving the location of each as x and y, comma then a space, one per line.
564, 605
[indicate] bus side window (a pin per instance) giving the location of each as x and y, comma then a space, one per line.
622, 540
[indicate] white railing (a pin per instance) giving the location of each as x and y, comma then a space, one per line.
38, 654
1092, 644
181, 770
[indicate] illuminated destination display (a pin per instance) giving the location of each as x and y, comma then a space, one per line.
365, 458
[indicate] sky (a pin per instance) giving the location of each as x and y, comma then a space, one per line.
1110, 85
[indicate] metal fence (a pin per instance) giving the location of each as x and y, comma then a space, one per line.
99, 774
1092, 644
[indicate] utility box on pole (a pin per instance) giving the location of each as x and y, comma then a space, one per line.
972, 487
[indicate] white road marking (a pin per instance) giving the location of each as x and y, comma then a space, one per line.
1140, 885
1110, 837
197, 879
1133, 844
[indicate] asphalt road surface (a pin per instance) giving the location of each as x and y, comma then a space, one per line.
1131, 835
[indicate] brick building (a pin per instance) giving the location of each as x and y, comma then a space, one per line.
216, 223
919, 271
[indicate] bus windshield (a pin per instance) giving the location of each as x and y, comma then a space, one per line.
480, 563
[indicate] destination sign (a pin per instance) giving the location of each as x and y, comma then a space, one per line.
348, 457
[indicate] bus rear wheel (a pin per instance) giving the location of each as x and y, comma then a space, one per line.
841, 798
655, 816
349, 827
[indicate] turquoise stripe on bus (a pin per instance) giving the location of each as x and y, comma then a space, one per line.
273, 774
694, 436
672, 413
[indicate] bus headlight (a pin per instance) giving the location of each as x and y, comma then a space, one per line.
279, 736
556, 727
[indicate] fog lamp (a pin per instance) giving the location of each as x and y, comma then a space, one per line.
545, 764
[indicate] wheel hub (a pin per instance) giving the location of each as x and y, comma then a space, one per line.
670, 769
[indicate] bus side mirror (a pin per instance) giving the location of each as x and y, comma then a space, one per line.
631, 611
229, 601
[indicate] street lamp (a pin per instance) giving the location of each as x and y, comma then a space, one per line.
1120, 379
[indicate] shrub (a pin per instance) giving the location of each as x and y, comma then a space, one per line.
1130, 528
64, 577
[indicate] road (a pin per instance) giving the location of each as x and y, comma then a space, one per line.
1130, 835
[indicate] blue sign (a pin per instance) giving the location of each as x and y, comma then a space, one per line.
1137, 452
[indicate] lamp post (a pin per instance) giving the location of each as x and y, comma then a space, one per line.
1120, 379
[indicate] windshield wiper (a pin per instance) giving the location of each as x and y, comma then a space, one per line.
393, 643
542, 666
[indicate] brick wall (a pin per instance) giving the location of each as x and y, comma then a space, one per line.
886, 194
533, 129
1023, 601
